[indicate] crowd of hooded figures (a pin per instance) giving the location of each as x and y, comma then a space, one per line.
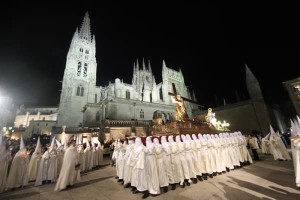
60, 163
150, 165
273, 144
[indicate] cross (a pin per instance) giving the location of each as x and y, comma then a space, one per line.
180, 99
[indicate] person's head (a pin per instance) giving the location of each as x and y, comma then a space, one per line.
73, 143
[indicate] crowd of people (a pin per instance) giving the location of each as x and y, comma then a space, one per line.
151, 164
60, 162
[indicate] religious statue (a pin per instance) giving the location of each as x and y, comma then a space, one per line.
211, 117
181, 113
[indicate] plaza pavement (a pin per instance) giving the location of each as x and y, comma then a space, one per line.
265, 179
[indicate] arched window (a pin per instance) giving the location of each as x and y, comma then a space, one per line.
85, 70
78, 91
79, 69
127, 94
151, 97
161, 94
142, 114
81, 49
87, 51
82, 91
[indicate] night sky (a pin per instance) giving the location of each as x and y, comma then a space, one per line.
211, 43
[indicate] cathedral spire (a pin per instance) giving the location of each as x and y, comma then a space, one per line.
144, 66
164, 64
85, 30
149, 66
137, 64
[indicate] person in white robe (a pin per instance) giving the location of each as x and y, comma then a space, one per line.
225, 152
162, 175
204, 157
151, 168
5, 159
80, 150
138, 178
91, 155
220, 161
265, 147
235, 149
167, 158
176, 157
86, 157
184, 165
70, 170
35, 161
277, 148
127, 165
60, 155
48, 166
197, 156
18, 173
190, 157
295, 146
245, 153
121, 161
115, 155
211, 156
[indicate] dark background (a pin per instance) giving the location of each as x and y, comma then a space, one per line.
211, 43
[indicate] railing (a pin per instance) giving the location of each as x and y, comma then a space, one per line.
58, 130
128, 122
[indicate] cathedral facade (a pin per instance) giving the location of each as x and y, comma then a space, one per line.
82, 103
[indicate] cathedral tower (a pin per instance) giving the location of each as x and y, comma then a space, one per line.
79, 80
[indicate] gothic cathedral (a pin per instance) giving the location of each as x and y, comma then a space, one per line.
82, 103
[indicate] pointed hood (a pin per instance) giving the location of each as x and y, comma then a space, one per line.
52, 146
38, 148
22, 145
271, 129
58, 144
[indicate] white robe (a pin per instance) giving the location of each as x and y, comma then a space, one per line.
151, 169
127, 167
5, 158
295, 146
167, 158
18, 173
34, 166
162, 175
68, 174
138, 176
47, 169
204, 156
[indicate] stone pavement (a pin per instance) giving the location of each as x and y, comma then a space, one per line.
265, 179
